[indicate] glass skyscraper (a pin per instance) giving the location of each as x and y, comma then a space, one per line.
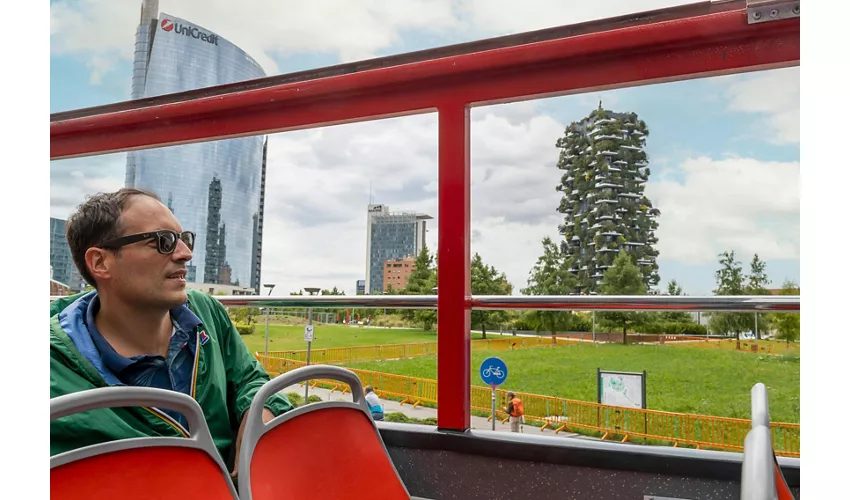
61, 263
390, 236
214, 188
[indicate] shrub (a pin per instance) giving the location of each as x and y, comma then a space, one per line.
404, 419
313, 398
295, 398
673, 328
397, 417
244, 328
581, 324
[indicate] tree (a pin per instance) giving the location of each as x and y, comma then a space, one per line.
624, 278
422, 281
757, 282
787, 325
674, 289
730, 281
551, 275
333, 291
419, 280
486, 280
427, 318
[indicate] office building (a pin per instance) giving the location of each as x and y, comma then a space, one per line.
213, 188
62, 268
390, 236
604, 206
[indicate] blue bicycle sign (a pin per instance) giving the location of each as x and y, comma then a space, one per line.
493, 371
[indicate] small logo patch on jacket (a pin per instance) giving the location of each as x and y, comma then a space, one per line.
204, 337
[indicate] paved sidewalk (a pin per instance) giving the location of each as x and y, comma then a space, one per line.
480, 423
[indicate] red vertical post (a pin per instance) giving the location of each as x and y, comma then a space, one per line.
453, 285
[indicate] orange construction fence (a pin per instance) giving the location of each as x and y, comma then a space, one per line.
702, 431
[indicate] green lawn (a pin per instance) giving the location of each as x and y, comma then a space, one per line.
697, 381
286, 338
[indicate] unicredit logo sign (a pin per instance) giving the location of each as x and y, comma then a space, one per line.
182, 29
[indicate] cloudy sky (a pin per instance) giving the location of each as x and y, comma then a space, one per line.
724, 152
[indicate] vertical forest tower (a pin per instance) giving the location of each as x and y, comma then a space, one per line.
605, 210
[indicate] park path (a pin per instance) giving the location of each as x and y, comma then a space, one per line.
479, 423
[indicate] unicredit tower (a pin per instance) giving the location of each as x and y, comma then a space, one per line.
215, 189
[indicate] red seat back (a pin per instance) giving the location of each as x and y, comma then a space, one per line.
341, 443
327, 450
164, 473
139, 468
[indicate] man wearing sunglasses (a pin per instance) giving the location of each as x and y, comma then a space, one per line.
142, 327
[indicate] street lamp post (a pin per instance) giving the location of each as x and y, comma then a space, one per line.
270, 286
308, 336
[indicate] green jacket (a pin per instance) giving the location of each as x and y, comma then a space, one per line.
226, 378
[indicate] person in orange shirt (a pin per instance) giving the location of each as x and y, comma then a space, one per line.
515, 410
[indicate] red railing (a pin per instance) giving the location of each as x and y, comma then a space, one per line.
697, 40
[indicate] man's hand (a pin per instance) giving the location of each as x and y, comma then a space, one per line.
267, 417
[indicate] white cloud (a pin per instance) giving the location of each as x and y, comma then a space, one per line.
72, 180
775, 96
501, 17
738, 204
104, 30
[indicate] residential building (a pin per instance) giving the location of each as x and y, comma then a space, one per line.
58, 289
397, 271
604, 206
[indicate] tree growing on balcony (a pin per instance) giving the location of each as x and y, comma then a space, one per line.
603, 202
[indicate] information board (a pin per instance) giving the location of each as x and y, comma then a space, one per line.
627, 389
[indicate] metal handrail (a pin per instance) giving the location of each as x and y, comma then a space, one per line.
730, 303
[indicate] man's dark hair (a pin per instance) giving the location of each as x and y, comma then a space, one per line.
96, 220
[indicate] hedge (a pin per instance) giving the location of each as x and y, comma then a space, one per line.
673, 328
244, 328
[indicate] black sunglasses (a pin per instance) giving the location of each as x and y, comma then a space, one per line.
166, 240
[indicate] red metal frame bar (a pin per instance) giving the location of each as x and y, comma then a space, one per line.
454, 307
675, 44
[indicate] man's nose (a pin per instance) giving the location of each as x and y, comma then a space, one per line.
182, 252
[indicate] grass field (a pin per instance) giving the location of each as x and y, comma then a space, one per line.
285, 338
706, 382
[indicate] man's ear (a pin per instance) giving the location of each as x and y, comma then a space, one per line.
99, 263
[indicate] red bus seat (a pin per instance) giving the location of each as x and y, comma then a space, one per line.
140, 468
281, 459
